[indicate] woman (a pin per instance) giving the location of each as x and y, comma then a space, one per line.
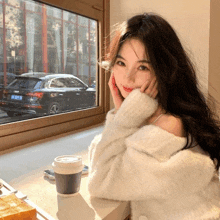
160, 147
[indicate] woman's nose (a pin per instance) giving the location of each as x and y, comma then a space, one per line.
130, 75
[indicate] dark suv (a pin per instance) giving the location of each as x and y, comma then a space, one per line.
41, 93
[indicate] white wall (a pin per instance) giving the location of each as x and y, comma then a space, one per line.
190, 19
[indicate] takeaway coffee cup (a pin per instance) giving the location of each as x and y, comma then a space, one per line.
68, 171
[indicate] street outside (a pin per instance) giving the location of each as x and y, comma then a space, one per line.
5, 119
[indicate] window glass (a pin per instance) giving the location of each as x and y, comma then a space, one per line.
34, 43
83, 54
93, 53
57, 83
83, 21
10, 78
67, 16
54, 53
32, 6
23, 83
49, 41
16, 3
54, 12
73, 83
43, 40
70, 48
1, 16
15, 42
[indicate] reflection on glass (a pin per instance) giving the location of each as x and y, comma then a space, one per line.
33, 6
34, 42
51, 57
54, 12
67, 16
1, 16
70, 48
54, 45
15, 43
83, 21
16, 3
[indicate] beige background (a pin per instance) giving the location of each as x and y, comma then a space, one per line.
214, 54
192, 20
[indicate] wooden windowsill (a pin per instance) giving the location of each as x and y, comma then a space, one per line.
42, 192
24, 172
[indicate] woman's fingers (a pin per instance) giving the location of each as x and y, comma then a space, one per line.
154, 91
150, 88
144, 86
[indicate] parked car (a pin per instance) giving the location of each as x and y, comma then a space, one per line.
10, 78
41, 93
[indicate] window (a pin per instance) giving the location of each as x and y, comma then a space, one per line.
51, 45
23, 83
57, 83
73, 83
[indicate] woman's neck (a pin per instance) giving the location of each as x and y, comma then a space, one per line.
157, 113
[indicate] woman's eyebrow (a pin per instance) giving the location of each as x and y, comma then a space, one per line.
139, 61
119, 56
143, 61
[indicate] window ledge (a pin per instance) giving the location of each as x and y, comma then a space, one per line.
23, 169
81, 206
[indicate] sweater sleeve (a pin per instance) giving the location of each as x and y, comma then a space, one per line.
120, 170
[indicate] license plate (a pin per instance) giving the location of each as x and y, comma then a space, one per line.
16, 97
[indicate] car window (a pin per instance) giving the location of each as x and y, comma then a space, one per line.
57, 83
72, 83
25, 83
10, 78
38, 85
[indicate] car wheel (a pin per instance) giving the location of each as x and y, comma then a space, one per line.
11, 114
54, 108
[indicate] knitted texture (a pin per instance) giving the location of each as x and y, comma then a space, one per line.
131, 113
147, 167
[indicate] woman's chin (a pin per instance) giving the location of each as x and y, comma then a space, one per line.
125, 94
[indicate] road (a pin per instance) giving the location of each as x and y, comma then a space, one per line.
5, 119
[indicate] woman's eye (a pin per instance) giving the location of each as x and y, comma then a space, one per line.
120, 63
143, 68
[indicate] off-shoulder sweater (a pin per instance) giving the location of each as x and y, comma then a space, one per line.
148, 167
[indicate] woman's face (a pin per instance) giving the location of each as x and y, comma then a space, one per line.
132, 67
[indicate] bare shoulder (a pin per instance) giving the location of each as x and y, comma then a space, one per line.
171, 124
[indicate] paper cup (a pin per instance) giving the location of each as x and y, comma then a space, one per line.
68, 171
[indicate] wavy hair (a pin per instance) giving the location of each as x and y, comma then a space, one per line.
178, 88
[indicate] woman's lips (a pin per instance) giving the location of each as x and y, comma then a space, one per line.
127, 89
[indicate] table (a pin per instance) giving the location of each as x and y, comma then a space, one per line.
42, 191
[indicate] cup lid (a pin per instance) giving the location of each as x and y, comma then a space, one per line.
67, 164
68, 160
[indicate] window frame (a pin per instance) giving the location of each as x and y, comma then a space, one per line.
26, 131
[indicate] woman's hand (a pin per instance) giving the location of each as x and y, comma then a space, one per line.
150, 88
116, 95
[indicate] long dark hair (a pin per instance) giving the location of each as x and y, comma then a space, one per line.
178, 88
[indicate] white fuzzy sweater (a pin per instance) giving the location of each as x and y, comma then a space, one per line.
146, 166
